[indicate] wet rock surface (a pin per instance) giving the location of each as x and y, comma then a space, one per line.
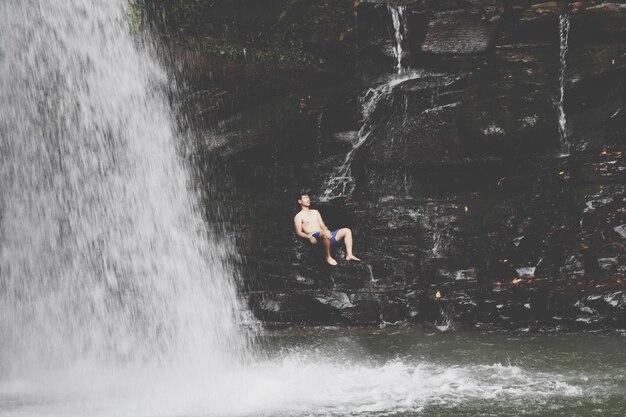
456, 182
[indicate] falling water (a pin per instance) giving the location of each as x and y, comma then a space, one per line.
104, 258
564, 23
320, 138
399, 24
439, 221
341, 183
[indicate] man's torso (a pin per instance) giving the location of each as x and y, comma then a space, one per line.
309, 221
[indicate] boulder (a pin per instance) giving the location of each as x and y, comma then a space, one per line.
458, 32
604, 22
507, 125
537, 24
429, 137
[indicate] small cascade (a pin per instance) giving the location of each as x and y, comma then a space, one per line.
440, 242
371, 274
564, 24
444, 323
341, 183
438, 215
318, 127
434, 96
399, 24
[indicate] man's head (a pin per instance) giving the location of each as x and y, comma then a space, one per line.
304, 201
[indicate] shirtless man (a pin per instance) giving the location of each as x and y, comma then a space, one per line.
310, 226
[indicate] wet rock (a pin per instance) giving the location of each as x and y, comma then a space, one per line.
540, 304
498, 270
396, 308
351, 275
458, 32
526, 249
491, 127
588, 62
608, 265
605, 304
337, 300
430, 137
604, 22
545, 269
366, 309
538, 23
574, 266
458, 275
458, 187
290, 308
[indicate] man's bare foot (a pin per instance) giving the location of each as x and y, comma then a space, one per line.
352, 258
331, 261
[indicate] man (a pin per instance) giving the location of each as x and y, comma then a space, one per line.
310, 226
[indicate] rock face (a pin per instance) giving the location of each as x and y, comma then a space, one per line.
450, 174
457, 32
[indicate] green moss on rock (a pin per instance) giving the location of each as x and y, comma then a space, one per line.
281, 32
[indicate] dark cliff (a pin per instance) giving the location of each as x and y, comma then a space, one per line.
485, 162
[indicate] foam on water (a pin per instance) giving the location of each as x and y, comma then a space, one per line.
296, 384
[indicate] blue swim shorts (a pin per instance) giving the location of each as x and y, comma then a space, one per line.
333, 236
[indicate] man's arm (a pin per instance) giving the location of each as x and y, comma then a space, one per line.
320, 221
325, 230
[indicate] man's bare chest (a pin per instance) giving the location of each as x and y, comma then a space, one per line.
309, 220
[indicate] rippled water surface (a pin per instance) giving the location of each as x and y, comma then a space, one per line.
357, 372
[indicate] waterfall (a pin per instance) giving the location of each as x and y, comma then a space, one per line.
341, 183
104, 257
564, 24
399, 24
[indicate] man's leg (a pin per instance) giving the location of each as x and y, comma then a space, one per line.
326, 242
346, 235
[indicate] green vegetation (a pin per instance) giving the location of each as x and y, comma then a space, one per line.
134, 16
281, 32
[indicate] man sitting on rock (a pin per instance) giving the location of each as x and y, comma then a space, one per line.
309, 225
